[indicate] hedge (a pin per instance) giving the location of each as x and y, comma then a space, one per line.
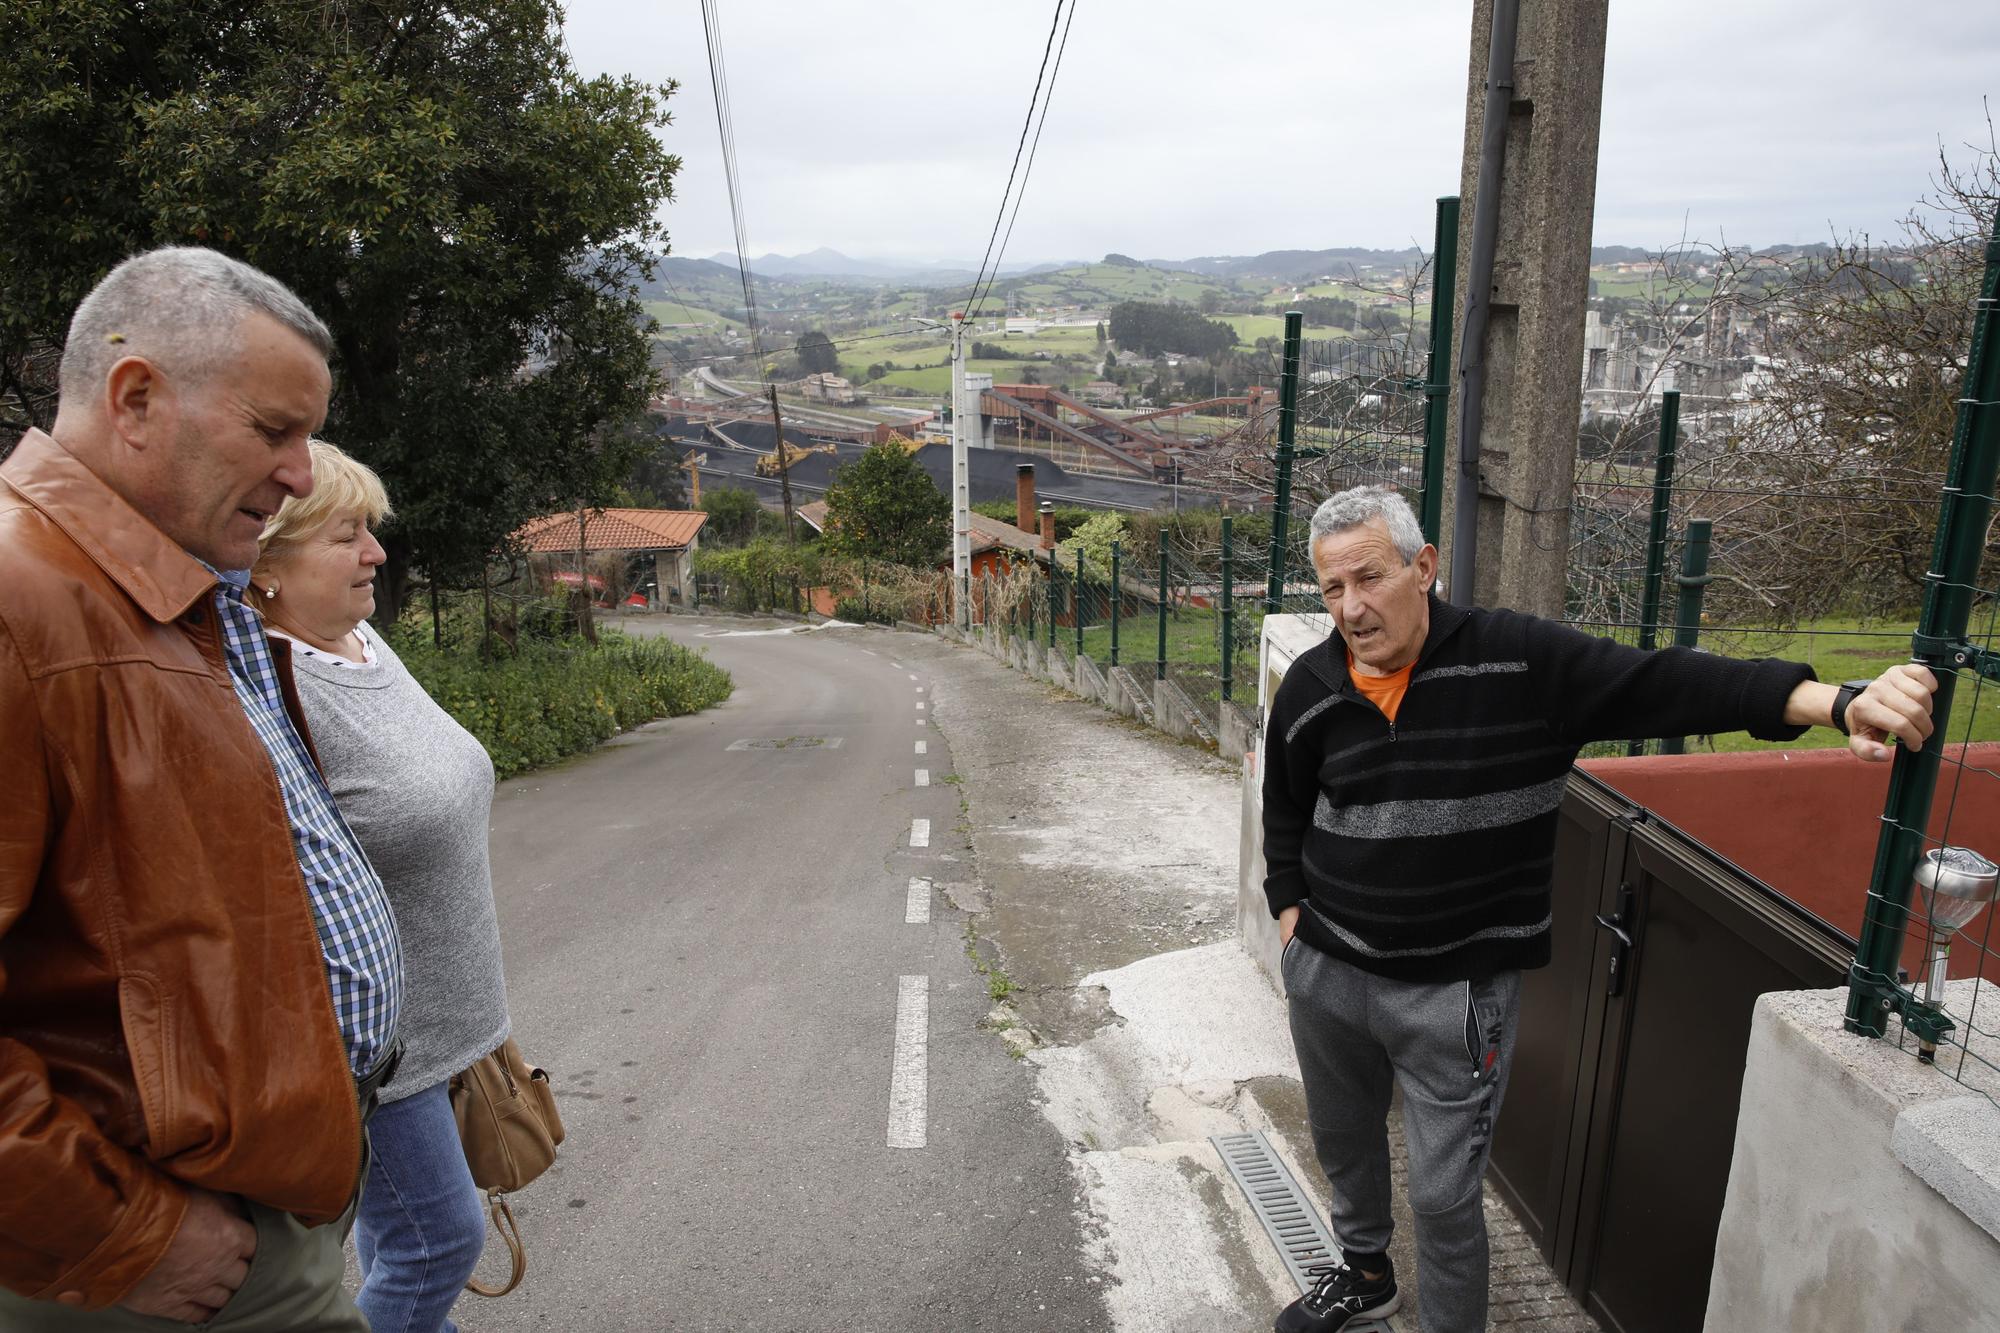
553, 699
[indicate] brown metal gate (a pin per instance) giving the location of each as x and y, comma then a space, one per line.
1615, 1140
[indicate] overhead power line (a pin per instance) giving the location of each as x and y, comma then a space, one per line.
1056, 22
1033, 146
718, 77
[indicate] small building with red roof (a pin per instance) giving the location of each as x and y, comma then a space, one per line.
664, 539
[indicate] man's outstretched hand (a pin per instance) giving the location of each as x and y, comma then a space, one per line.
1896, 706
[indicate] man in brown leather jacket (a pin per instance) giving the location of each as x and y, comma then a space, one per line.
199, 974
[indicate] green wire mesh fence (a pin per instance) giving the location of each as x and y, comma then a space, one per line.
1804, 454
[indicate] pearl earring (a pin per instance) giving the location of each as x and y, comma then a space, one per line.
271, 591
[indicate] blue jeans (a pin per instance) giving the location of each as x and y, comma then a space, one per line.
422, 1222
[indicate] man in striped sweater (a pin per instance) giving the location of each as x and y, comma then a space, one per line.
1414, 763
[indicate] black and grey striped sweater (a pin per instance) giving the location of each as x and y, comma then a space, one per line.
1422, 849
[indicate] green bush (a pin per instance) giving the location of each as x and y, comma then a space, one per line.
553, 699
1068, 517
857, 611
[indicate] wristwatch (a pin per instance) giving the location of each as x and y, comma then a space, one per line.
1842, 698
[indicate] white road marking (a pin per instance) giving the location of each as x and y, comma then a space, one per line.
913, 675
923, 777
920, 704
917, 910
909, 1076
923, 747
920, 833
871, 652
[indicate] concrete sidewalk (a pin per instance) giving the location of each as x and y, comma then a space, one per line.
1104, 886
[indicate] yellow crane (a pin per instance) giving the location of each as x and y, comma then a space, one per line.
692, 465
768, 465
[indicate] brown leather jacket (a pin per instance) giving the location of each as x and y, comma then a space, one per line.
165, 1018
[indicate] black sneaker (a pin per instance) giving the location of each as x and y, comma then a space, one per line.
1341, 1297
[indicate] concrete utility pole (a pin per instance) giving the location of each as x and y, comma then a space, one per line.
961, 489
784, 457
1526, 365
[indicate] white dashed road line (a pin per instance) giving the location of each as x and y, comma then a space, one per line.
920, 705
920, 833
917, 908
910, 1074
923, 747
923, 777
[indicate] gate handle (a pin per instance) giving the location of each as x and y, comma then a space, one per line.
1616, 925
1614, 981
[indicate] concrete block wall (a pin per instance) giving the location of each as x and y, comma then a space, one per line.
1133, 694
1862, 1188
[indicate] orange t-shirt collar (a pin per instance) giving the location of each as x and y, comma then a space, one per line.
1385, 692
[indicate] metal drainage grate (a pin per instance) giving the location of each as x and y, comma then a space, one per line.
789, 743
1288, 1216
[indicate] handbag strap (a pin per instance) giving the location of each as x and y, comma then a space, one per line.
510, 1231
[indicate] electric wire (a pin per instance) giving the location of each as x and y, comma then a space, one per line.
711, 24
1027, 122
1022, 193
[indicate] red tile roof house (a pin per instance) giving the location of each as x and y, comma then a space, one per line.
659, 544
996, 545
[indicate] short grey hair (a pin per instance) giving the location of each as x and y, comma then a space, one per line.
1352, 508
181, 307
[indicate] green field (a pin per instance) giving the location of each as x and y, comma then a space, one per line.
1249, 328
1655, 286
1103, 284
1344, 290
673, 312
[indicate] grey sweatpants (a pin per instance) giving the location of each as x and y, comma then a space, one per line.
1450, 1045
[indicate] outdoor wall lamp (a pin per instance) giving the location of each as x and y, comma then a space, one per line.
1954, 883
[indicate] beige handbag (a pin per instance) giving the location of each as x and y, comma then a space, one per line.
507, 1121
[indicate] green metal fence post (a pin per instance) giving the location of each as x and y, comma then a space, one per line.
1694, 578
1076, 601
1656, 536
1055, 576
1940, 643
1117, 602
1162, 670
1437, 379
1281, 502
1228, 611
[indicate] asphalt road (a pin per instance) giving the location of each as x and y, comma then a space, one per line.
708, 948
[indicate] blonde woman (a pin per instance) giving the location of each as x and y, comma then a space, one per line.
417, 790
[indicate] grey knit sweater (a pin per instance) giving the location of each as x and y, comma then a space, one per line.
417, 789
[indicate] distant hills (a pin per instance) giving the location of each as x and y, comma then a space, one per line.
1288, 265
826, 263
714, 283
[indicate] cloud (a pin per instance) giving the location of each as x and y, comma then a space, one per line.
886, 128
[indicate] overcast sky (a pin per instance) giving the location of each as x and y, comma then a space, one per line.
884, 128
